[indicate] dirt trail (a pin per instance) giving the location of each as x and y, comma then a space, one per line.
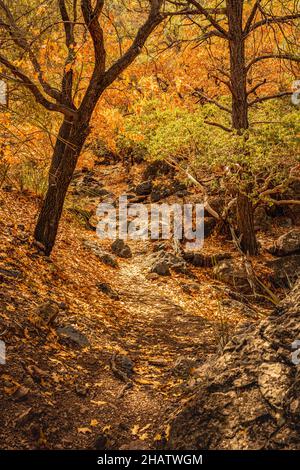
166, 341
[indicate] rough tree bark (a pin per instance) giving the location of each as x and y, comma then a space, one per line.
249, 397
240, 120
70, 141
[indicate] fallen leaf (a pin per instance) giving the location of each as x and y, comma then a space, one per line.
135, 429
84, 430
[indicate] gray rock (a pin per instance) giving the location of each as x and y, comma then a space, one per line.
183, 367
104, 257
121, 249
248, 397
287, 244
161, 268
285, 270
107, 290
144, 189
48, 312
70, 334
232, 272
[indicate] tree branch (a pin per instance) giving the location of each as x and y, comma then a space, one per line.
270, 97
208, 16
32, 87
251, 17
273, 56
274, 19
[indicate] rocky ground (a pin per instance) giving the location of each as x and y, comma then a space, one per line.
107, 343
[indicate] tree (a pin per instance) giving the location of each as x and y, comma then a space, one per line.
24, 27
236, 23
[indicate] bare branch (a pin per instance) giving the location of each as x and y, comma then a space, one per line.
270, 97
31, 86
290, 57
274, 20
216, 124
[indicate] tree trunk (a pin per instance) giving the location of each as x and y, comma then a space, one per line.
240, 120
70, 141
245, 219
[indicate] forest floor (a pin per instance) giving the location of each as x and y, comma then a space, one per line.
134, 360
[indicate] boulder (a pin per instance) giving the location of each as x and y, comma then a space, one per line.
70, 335
248, 397
107, 290
287, 244
104, 257
158, 168
232, 272
202, 260
161, 268
144, 189
285, 270
121, 249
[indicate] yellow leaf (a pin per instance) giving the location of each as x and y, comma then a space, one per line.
135, 430
84, 430
94, 422
99, 403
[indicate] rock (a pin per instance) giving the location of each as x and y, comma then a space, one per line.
201, 260
270, 373
144, 189
190, 288
285, 270
232, 272
209, 226
285, 222
121, 249
101, 442
70, 334
122, 363
161, 268
48, 312
21, 393
163, 191
107, 290
152, 276
183, 367
247, 398
158, 168
159, 193
287, 244
108, 260
104, 257
164, 261
82, 389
